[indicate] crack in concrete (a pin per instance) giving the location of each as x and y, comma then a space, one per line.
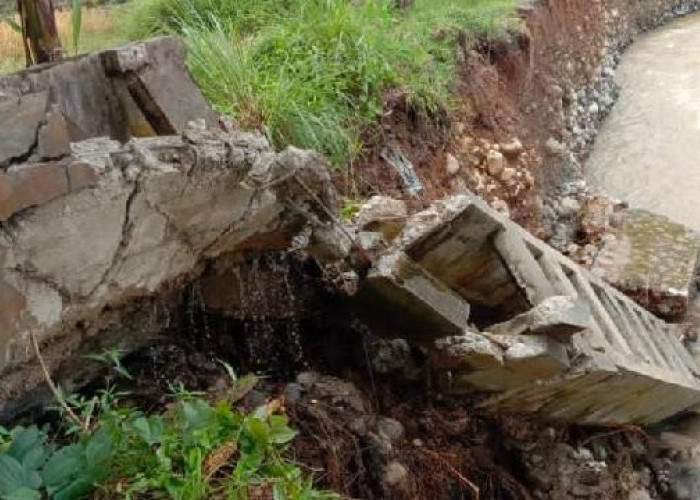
30, 274
126, 231
234, 225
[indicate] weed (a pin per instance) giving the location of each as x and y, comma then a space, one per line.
350, 208
193, 450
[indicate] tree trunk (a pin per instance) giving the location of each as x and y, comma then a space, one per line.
39, 32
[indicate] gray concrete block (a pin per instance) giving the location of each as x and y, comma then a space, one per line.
400, 299
558, 317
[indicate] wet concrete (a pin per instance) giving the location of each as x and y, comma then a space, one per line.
648, 150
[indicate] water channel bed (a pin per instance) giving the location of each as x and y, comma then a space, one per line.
648, 150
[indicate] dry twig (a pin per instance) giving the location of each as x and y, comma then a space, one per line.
52, 387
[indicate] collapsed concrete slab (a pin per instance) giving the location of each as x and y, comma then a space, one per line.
474, 362
143, 220
563, 344
653, 260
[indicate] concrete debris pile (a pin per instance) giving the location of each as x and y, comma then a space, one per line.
504, 313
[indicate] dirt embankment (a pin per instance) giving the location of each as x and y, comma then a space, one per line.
527, 111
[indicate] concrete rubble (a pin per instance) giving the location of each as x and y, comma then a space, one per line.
558, 317
652, 259
139, 90
552, 338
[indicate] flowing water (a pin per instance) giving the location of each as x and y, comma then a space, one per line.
648, 150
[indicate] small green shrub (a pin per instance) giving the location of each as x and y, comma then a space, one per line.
192, 451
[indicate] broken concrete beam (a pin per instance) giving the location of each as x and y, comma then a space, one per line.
476, 362
453, 241
599, 397
558, 317
524, 268
653, 260
468, 351
400, 299
152, 215
611, 341
142, 89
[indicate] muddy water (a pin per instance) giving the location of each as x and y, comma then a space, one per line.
648, 150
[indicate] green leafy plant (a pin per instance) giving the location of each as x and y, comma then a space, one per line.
21, 460
111, 358
350, 208
192, 450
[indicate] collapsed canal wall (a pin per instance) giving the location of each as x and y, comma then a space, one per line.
119, 184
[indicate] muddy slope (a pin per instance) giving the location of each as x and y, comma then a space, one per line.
528, 110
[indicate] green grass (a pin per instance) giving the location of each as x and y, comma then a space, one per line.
313, 73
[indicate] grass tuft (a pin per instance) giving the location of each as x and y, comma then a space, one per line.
313, 73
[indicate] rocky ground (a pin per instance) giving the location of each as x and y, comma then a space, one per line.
368, 433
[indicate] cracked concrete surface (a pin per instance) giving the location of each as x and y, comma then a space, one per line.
161, 208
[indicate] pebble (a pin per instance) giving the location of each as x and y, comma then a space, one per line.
292, 392
508, 173
501, 206
360, 425
529, 179
495, 163
452, 165
390, 429
512, 148
395, 474
584, 454
569, 207
554, 147
307, 379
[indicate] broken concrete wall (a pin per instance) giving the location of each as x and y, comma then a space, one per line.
136, 221
141, 89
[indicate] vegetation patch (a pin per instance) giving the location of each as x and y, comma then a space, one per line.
314, 73
192, 450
